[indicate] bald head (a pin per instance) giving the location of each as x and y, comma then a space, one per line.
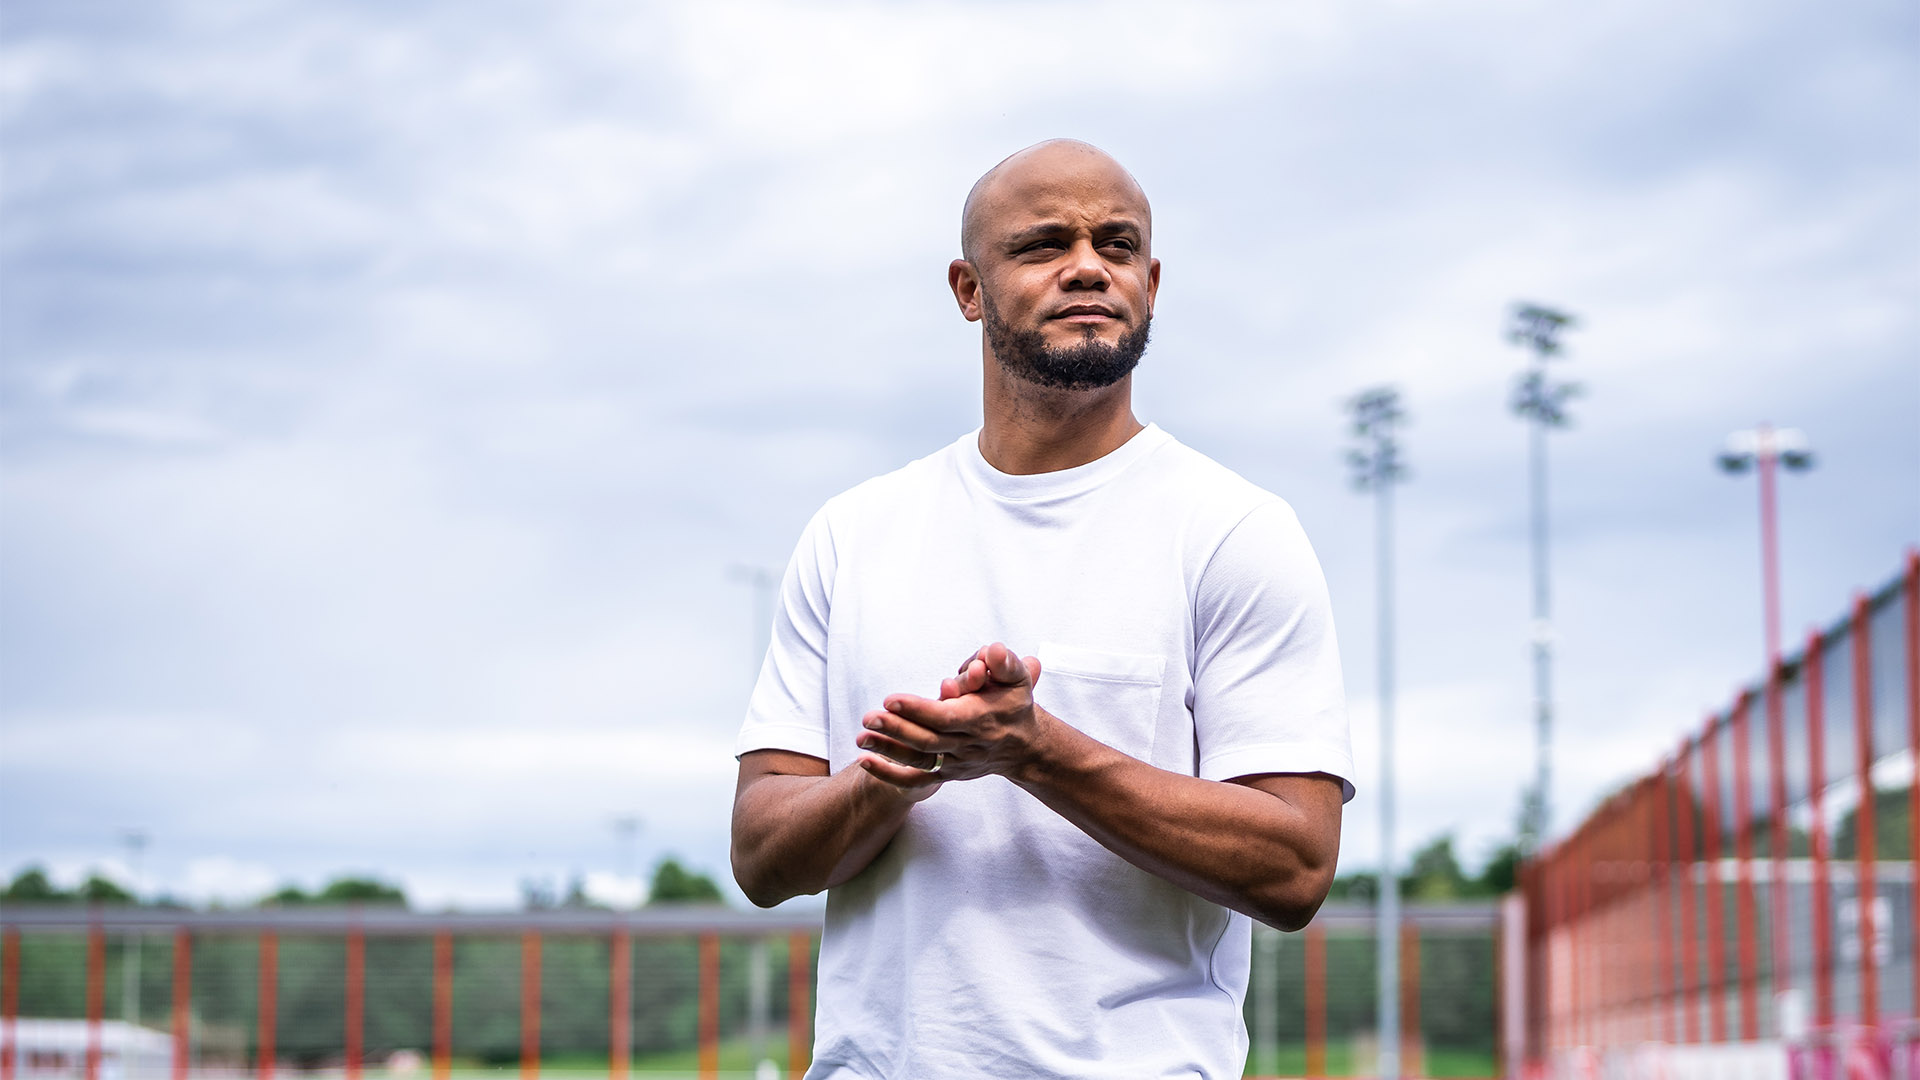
1051, 165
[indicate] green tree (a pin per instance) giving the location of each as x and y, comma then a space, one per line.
675, 884
360, 890
100, 889
1501, 875
341, 890
1434, 873
31, 886
1891, 829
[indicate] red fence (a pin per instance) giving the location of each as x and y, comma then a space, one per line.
1740, 892
219, 945
254, 995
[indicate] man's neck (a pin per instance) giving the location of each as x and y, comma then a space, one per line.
1036, 429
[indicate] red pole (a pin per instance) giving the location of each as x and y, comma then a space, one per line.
799, 1004
1584, 936
619, 1004
269, 1004
442, 1005
9, 999
1710, 850
1769, 543
1913, 743
1316, 1001
1500, 990
1583, 933
356, 999
1863, 818
1689, 898
1661, 819
530, 1006
182, 1003
1817, 832
1777, 783
1746, 905
96, 991
709, 1006
1638, 917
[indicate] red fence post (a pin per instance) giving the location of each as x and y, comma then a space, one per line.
799, 1004
356, 999
1689, 895
269, 1002
1660, 888
1863, 818
1782, 967
1912, 596
9, 999
442, 1005
1710, 851
1822, 912
530, 1005
182, 1003
96, 991
709, 1005
1500, 990
619, 1004
1316, 1001
1746, 914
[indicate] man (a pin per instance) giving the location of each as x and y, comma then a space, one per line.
1048, 868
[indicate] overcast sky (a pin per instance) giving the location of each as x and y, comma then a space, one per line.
388, 389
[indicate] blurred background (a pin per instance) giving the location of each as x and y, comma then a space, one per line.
402, 406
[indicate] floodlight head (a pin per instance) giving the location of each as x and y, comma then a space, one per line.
1735, 463
1538, 326
1797, 460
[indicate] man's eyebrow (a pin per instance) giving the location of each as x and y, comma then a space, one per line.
1042, 230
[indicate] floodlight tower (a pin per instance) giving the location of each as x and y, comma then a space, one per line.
1765, 448
1542, 402
1376, 468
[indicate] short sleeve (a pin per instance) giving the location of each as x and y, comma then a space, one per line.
788, 710
1267, 690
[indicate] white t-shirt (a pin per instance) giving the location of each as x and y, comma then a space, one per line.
1179, 616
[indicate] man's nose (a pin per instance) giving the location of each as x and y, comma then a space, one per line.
1085, 268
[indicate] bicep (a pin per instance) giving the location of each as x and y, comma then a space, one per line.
757, 765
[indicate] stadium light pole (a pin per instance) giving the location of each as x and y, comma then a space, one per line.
1765, 449
1377, 467
1542, 402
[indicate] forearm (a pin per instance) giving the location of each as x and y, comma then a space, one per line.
1251, 849
797, 835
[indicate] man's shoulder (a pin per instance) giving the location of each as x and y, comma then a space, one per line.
1206, 484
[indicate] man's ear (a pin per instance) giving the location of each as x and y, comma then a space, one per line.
1153, 283
964, 280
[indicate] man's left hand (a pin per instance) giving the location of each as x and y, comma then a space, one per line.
985, 722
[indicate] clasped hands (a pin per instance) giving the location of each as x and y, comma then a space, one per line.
985, 722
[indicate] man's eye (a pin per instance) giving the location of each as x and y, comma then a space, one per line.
1123, 245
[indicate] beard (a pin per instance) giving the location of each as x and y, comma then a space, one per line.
1089, 365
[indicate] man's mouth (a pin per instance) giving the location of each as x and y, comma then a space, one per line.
1085, 313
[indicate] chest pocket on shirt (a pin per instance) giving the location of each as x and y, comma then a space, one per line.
1112, 696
